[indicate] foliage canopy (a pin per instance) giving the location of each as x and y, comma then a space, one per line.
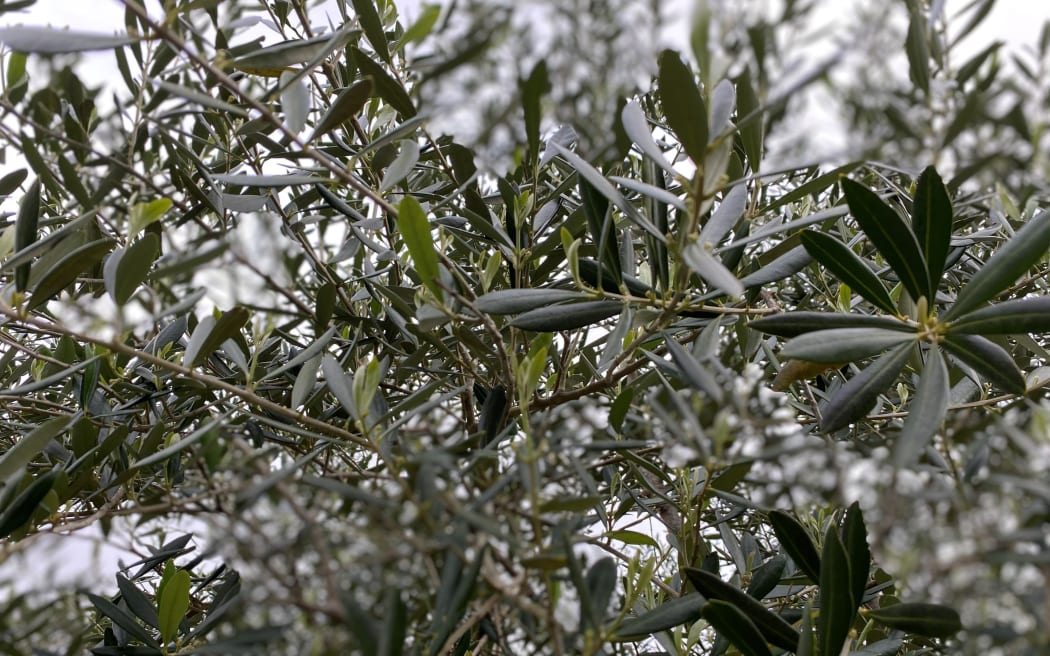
592, 376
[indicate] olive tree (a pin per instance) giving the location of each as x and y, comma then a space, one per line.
437, 337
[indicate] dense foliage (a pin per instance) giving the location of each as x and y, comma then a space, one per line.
437, 337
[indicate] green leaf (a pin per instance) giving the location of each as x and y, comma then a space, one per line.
402, 166
891, 235
200, 98
855, 540
841, 345
1010, 262
295, 102
918, 51
600, 582
66, 270
372, 25
423, 26
683, 104
853, 400
772, 627
389, 89
415, 232
245, 180
932, 222
48, 381
137, 601
26, 230
273, 60
348, 104
49, 41
605, 188
750, 123
566, 317
707, 266
837, 606
123, 619
144, 214
790, 324
797, 543
126, 268
930, 620
603, 230
513, 301
10, 182
767, 577
341, 385
683, 610
692, 371
210, 333
989, 359
1025, 315
24, 506
173, 600
636, 126
533, 89
730, 622
849, 268
926, 411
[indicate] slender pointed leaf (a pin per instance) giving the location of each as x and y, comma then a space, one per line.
891, 235
773, 628
790, 324
347, 104
25, 505
402, 166
932, 222
273, 60
837, 606
415, 232
127, 268
853, 400
723, 102
295, 102
736, 627
728, 214
123, 619
849, 268
172, 603
210, 333
341, 385
711, 269
64, 272
26, 231
692, 371
513, 301
676, 612
855, 540
566, 317
389, 89
841, 345
372, 26
988, 359
926, 411
30, 446
931, 620
683, 104
605, 188
797, 543
636, 125
1010, 262
52, 41
1025, 315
